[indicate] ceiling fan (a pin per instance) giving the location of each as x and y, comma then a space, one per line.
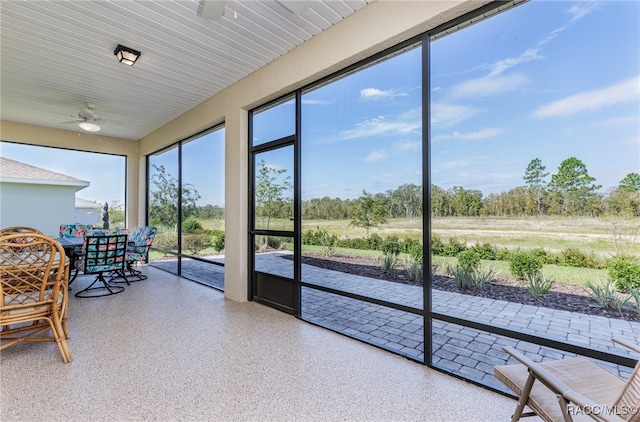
214, 9
89, 120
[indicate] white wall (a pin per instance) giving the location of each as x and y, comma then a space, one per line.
91, 216
43, 207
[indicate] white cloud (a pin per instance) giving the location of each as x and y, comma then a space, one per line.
379, 94
409, 146
308, 101
405, 123
448, 165
579, 12
504, 64
489, 86
489, 132
486, 133
374, 156
447, 115
622, 92
616, 121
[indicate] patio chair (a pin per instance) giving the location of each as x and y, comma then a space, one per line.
571, 389
137, 251
74, 230
103, 252
33, 291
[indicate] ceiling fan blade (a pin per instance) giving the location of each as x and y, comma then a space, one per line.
211, 9
71, 121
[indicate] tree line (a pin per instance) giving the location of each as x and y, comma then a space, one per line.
571, 191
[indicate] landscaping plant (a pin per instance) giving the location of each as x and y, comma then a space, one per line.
606, 296
624, 273
539, 286
523, 265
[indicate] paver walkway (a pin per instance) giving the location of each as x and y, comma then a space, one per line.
460, 349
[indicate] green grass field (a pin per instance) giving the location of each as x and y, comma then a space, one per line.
604, 237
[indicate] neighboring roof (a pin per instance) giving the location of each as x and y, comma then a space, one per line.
85, 203
17, 172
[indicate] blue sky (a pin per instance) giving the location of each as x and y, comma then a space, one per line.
547, 79
106, 173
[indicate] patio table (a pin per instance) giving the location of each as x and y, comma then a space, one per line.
69, 244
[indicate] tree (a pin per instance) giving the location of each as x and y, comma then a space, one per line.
631, 182
270, 199
466, 202
367, 212
534, 177
574, 185
116, 214
166, 195
406, 201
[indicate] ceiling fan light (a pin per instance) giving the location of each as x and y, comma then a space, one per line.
126, 55
89, 126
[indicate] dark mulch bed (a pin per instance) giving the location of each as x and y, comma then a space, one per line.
566, 297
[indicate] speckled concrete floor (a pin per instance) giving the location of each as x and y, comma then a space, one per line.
168, 349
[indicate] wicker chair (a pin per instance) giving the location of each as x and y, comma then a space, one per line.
34, 276
571, 389
18, 229
103, 252
137, 251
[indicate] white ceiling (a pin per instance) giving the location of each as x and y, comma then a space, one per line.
57, 55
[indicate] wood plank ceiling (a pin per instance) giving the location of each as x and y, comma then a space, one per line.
58, 55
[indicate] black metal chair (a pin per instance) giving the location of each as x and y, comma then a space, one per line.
103, 252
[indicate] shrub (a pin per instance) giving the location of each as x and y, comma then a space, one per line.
484, 251
391, 247
453, 247
374, 242
469, 259
624, 273
503, 254
274, 242
191, 225
539, 285
523, 265
416, 253
218, 241
437, 246
194, 243
410, 244
166, 241
545, 257
576, 258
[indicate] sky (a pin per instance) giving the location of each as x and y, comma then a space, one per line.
105, 173
547, 79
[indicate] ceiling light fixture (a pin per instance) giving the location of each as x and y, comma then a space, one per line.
89, 126
126, 55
